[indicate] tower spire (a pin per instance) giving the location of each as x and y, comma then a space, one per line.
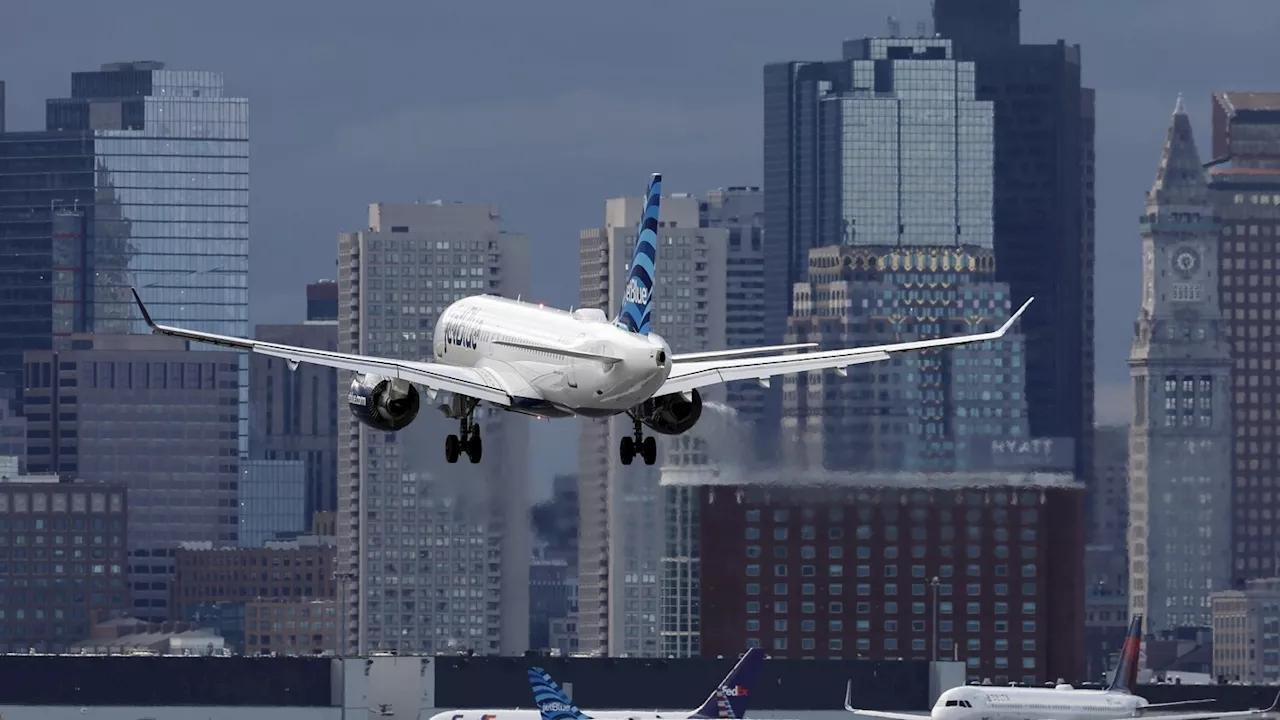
1180, 179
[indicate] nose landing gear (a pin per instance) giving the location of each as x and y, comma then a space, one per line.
638, 444
468, 438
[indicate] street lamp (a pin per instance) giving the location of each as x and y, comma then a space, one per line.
934, 583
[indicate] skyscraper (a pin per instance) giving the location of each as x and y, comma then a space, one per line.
1180, 442
141, 178
915, 194
1244, 184
1043, 205
622, 507
432, 557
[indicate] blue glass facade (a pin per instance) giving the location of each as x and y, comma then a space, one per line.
273, 497
918, 411
170, 204
904, 212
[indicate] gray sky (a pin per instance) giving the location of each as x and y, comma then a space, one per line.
549, 108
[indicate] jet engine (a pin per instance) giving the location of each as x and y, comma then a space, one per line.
386, 404
669, 414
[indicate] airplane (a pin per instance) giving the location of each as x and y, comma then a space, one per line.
728, 700
1116, 702
534, 360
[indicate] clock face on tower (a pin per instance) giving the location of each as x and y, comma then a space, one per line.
1185, 260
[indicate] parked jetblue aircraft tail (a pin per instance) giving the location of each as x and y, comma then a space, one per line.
552, 701
727, 702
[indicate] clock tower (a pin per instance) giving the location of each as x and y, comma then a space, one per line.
1180, 440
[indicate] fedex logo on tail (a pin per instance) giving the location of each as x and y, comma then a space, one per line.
735, 691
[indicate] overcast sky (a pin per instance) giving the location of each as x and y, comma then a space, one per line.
548, 108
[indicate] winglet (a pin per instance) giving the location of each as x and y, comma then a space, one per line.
1014, 318
145, 315
1275, 705
848, 697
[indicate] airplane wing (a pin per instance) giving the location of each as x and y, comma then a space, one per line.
1275, 705
687, 376
482, 384
883, 715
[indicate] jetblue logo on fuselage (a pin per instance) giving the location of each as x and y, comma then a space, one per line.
463, 331
636, 293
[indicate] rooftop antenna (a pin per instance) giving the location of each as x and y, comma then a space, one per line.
894, 27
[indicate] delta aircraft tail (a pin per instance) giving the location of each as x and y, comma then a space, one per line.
1126, 677
635, 312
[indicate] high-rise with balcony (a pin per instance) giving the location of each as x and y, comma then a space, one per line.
432, 557
1180, 440
1244, 184
621, 507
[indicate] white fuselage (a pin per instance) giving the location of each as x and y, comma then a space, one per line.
1018, 703
475, 332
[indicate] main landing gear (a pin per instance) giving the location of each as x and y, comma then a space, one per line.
638, 444
468, 438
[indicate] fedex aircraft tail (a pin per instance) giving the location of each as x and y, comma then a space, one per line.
1126, 677
731, 698
634, 315
552, 701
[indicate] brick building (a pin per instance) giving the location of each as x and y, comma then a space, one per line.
984, 568
291, 628
63, 561
293, 571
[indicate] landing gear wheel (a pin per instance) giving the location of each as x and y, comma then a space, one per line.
452, 449
649, 450
627, 450
475, 448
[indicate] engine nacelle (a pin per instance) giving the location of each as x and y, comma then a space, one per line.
386, 404
669, 414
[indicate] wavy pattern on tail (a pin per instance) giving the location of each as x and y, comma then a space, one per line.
552, 701
636, 302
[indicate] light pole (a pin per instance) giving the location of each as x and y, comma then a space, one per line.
934, 583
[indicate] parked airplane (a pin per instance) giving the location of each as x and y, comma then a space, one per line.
728, 700
1117, 702
526, 358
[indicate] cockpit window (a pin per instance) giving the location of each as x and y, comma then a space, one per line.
952, 703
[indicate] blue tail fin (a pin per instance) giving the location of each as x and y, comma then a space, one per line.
552, 701
634, 315
731, 698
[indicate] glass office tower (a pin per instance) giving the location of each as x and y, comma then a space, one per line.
170, 207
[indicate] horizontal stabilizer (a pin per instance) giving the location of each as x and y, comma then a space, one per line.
557, 350
717, 354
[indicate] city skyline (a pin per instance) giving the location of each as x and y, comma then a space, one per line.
540, 128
